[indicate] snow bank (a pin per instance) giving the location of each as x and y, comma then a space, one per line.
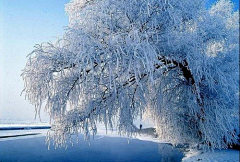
228, 155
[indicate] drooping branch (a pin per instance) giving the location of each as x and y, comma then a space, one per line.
166, 62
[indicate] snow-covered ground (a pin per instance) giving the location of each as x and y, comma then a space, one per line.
166, 152
225, 155
22, 122
228, 155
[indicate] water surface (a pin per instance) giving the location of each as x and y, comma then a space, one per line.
101, 149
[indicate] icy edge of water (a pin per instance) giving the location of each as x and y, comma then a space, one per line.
228, 155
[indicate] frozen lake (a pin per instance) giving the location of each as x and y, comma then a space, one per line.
101, 149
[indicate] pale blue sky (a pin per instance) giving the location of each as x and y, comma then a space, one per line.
24, 23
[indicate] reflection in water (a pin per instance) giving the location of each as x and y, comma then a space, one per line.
169, 153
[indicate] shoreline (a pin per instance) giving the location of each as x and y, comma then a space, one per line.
20, 135
24, 128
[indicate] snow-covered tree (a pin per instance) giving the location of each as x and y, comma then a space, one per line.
176, 59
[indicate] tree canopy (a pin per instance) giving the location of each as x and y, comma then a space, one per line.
175, 60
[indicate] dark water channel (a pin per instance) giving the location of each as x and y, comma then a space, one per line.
106, 149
